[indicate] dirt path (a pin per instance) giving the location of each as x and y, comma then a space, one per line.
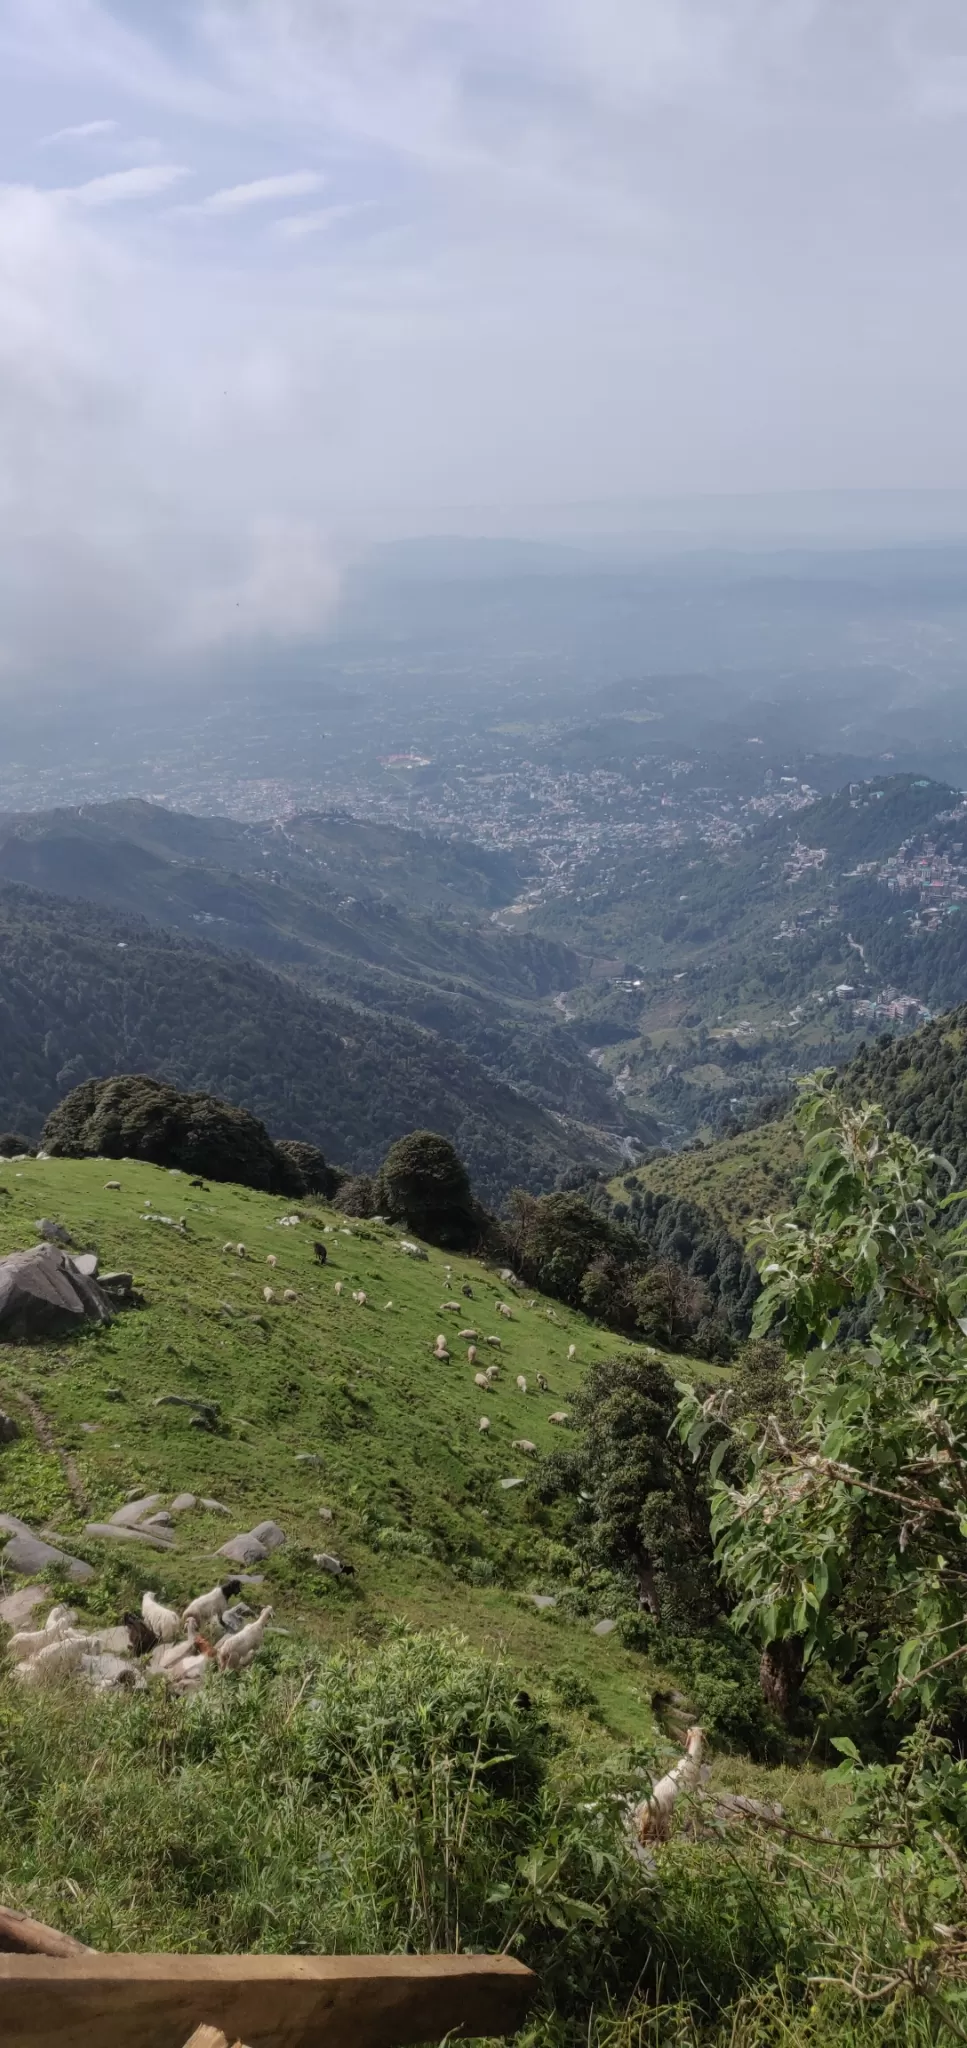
45, 1437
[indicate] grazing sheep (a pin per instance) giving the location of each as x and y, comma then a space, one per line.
503, 1310
337, 1289
163, 1620
484, 1424
471, 1354
440, 1348
271, 1259
481, 1380
521, 1383
572, 1350
27, 1643
168, 1655
450, 1306
112, 1184
359, 1297
492, 1373
559, 1415
523, 1443
289, 1294
58, 1660
320, 1253
240, 1251
228, 1248
652, 1820
467, 1336
495, 1341
211, 1606
59, 1615
235, 1652
335, 1566
268, 1294
542, 1383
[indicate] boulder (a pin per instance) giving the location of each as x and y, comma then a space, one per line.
162, 1520
243, 1550
17, 1609
268, 1534
134, 1510
29, 1554
55, 1233
114, 1532
182, 1502
214, 1507
603, 1628
9, 1429
42, 1291
86, 1263
542, 1600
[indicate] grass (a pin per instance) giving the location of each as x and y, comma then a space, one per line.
413, 1485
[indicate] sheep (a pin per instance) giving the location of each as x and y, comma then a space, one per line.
114, 1184
492, 1374
484, 1424
551, 1315
58, 1660
450, 1307
58, 1616
228, 1248
359, 1297
27, 1643
467, 1336
471, 1354
234, 1652
572, 1350
165, 1622
480, 1380
495, 1341
560, 1415
652, 1820
503, 1310
523, 1443
521, 1383
337, 1289
440, 1347
192, 1673
268, 1294
320, 1253
240, 1251
542, 1383
271, 1259
289, 1294
211, 1606
335, 1566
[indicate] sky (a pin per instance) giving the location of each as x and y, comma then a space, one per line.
279, 275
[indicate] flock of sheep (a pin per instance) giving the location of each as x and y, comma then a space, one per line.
209, 1635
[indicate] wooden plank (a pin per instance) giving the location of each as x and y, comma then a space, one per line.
105, 2001
20, 1935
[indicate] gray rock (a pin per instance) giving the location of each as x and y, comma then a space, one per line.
325, 1515
113, 1532
162, 1520
215, 1507
9, 1429
107, 1672
29, 1554
16, 1608
41, 1291
113, 1642
135, 1510
182, 1502
268, 1534
86, 1263
542, 1600
301, 1457
506, 1485
243, 1550
117, 1284
236, 1616
603, 1628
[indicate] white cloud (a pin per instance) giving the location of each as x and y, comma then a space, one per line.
82, 132
142, 181
294, 227
259, 191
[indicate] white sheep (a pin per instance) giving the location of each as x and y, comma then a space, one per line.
337, 1289
208, 1607
27, 1643
480, 1380
165, 1623
493, 1373
240, 1251
504, 1310
58, 1660
471, 1354
271, 1259
453, 1306
484, 1424
167, 1656
440, 1347
467, 1336
359, 1297
521, 1383
652, 1820
234, 1652
572, 1350
192, 1673
495, 1341
58, 1616
228, 1248
523, 1443
268, 1294
560, 1415
289, 1294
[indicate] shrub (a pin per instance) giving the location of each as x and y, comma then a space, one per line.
132, 1116
357, 1196
424, 1184
12, 1146
308, 1162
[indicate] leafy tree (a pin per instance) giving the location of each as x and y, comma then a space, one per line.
309, 1163
357, 1195
554, 1239
131, 1116
12, 1146
424, 1183
845, 1536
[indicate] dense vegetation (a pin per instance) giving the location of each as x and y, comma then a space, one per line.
83, 994
130, 1116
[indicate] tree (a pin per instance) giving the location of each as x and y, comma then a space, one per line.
423, 1182
555, 1238
309, 1164
13, 1146
132, 1116
846, 1534
645, 1513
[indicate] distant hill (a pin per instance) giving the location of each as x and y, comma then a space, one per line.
397, 921
84, 992
921, 1082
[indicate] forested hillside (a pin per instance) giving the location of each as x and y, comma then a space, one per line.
85, 993
921, 1082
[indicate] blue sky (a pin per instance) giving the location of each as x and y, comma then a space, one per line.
278, 274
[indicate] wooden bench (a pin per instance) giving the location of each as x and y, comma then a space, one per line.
90, 2000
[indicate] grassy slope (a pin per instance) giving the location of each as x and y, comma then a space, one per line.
396, 1432
739, 1179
